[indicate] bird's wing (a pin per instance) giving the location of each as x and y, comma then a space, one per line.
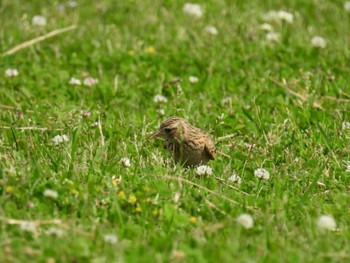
210, 149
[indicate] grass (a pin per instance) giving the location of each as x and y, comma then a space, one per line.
288, 101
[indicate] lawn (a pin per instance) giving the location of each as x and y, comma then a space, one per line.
80, 181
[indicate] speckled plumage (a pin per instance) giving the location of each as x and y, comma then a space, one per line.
189, 145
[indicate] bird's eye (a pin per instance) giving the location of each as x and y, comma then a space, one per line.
168, 130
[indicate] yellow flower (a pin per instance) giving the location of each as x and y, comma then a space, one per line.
9, 189
74, 191
155, 212
121, 194
138, 209
193, 220
148, 200
150, 50
131, 52
132, 199
116, 181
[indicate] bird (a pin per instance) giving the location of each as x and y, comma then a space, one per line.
190, 146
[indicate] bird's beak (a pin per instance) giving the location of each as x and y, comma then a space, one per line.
156, 134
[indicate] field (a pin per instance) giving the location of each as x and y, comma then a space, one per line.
80, 181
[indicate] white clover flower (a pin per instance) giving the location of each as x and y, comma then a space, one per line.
285, 16
245, 220
39, 21
326, 222
75, 82
110, 238
204, 170
90, 82
345, 125
54, 231
273, 37
58, 139
266, 27
262, 174
347, 6
211, 30
234, 178
160, 99
278, 16
160, 112
11, 72
50, 193
194, 10
27, 226
126, 162
193, 79
226, 101
318, 42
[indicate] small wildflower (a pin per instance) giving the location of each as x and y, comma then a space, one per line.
160, 99
9, 189
234, 178
54, 231
94, 124
131, 53
266, 27
11, 72
226, 101
262, 174
39, 21
121, 194
132, 199
75, 82
345, 125
193, 79
285, 16
212, 30
58, 139
160, 112
90, 82
193, 219
50, 193
116, 181
204, 170
245, 220
126, 162
347, 7
110, 238
151, 50
155, 212
27, 226
138, 209
273, 37
194, 10
326, 222
279, 16
318, 42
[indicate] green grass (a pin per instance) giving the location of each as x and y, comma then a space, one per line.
280, 103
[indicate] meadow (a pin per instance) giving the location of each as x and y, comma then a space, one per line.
81, 182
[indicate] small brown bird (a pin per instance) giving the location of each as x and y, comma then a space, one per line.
189, 145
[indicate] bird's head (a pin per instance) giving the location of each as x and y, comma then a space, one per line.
174, 128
